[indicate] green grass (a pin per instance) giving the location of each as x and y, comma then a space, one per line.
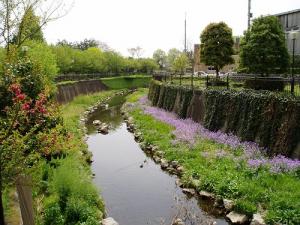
70, 196
71, 112
126, 82
277, 195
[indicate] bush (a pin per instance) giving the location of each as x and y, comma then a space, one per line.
42, 57
80, 211
270, 84
52, 212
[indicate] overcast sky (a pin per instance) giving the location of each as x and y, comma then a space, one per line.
153, 24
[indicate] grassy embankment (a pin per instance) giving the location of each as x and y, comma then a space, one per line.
64, 192
275, 195
121, 82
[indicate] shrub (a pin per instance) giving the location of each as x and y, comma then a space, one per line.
80, 211
275, 84
52, 212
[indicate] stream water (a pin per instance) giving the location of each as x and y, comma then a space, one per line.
136, 195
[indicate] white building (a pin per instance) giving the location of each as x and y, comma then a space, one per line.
290, 22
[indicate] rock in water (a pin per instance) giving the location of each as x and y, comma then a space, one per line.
178, 222
96, 122
109, 221
236, 218
104, 128
189, 191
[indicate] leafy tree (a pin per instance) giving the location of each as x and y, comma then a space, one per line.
173, 53
147, 65
217, 46
64, 55
17, 19
160, 57
29, 28
86, 44
263, 49
42, 56
114, 62
180, 64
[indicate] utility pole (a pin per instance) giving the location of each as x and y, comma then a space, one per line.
185, 47
249, 13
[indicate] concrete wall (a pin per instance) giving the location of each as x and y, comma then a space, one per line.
67, 92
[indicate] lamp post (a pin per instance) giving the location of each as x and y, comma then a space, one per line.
294, 37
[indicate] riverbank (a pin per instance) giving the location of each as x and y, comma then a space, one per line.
212, 166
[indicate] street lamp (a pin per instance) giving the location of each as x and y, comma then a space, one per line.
294, 37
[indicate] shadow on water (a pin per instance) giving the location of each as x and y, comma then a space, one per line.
135, 190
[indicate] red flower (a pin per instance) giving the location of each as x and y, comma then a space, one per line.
15, 88
42, 110
21, 97
26, 106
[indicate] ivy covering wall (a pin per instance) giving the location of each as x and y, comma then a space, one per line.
271, 120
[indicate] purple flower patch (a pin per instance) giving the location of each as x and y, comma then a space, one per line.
186, 130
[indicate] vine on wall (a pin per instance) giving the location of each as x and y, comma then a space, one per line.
271, 120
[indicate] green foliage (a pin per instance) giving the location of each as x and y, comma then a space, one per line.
217, 45
259, 116
263, 49
180, 63
276, 84
93, 60
42, 57
160, 58
52, 213
29, 28
147, 66
82, 45
274, 193
172, 55
73, 196
126, 82
114, 62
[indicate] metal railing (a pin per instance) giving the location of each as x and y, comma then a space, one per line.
288, 86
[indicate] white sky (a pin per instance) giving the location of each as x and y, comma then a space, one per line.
153, 24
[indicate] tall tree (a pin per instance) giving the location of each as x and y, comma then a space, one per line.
160, 57
217, 46
29, 28
173, 53
180, 64
263, 49
13, 13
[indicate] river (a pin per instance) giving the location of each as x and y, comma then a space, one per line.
135, 189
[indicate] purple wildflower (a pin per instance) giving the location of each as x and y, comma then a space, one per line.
187, 131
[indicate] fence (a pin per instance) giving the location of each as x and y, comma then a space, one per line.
287, 86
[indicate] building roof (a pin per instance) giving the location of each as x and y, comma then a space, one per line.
288, 12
